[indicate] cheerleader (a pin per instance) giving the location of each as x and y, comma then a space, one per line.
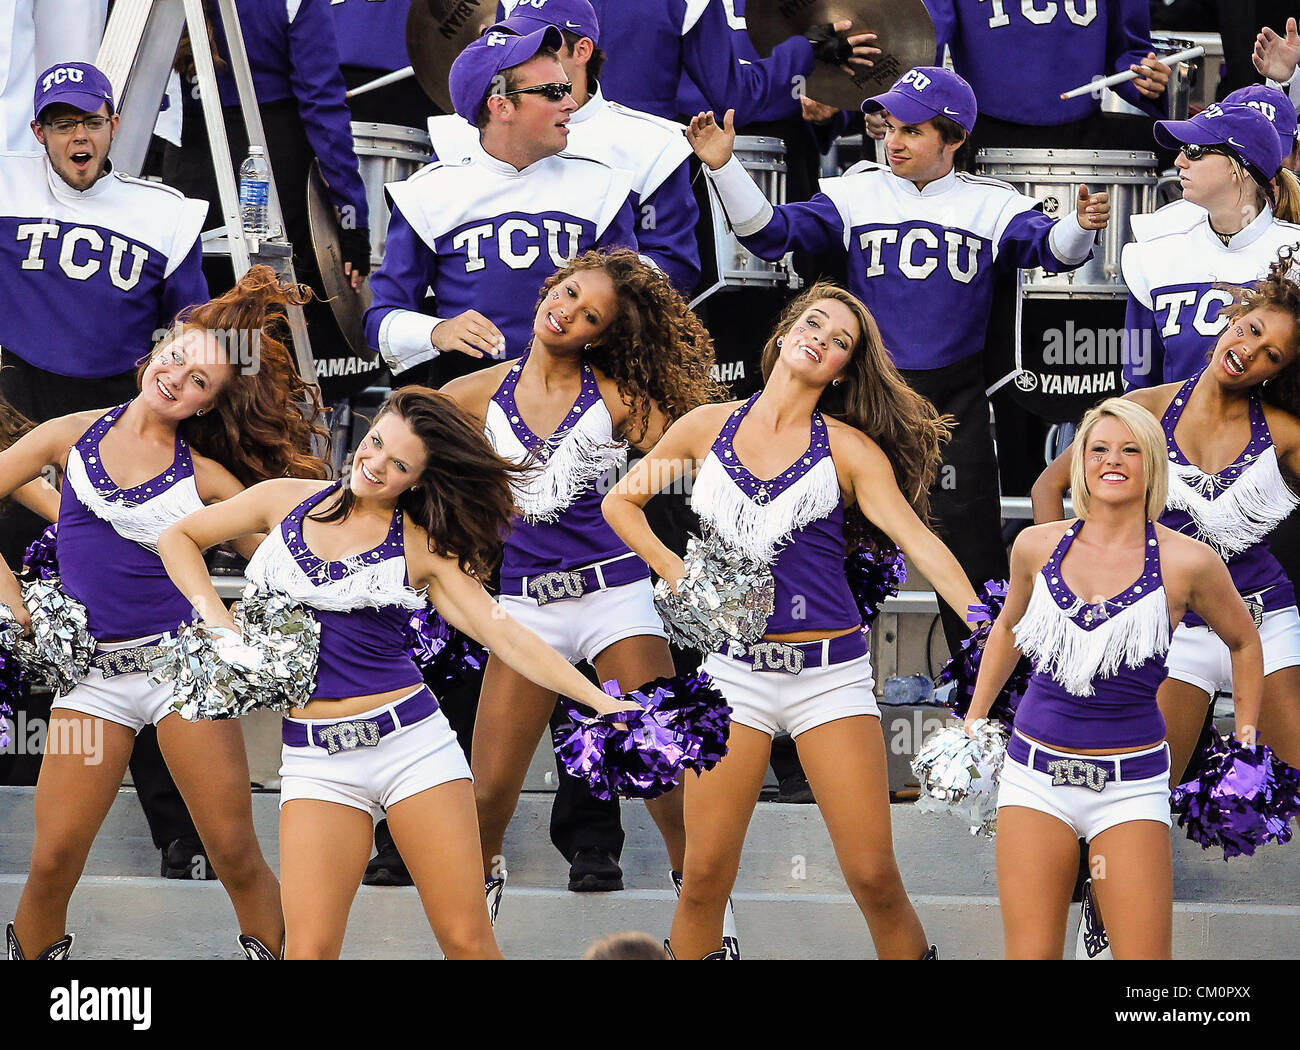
1232, 442
615, 357
200, 429
835, 440
418, 519
1087, 758
1228, 155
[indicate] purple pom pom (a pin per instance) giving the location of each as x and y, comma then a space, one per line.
443, 654
963, 669
1244, 797
40, 560
692, 704
874, 576
5, 712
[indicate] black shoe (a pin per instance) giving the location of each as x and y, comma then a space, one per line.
186, 858
795, 790
386, 867
594, 871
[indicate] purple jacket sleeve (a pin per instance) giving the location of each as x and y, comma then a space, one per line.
813, 226
1140, 325
621, 232
409, 268
318, 86
1026, 243
186, 286
709, 56
666, 229
1128, 41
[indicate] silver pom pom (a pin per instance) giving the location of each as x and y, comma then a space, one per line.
60, 648
959, 774
725, 596
271, 663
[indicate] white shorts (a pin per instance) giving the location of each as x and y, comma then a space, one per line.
411, 759
1086, 811
582, 628
128, 699
774, 702
1199, 657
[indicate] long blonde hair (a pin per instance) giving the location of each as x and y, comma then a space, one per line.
1150, 440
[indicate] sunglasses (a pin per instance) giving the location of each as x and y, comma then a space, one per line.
556, 92
67, 125
1193, 152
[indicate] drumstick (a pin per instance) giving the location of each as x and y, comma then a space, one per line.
1123, 78
384, 81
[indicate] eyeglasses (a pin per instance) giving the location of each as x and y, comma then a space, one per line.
1194, 152
67, 125
556, 92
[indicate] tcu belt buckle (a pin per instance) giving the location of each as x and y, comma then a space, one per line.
556, 586
126, 661
1075, 772
348, 736
777, 656
1255, 606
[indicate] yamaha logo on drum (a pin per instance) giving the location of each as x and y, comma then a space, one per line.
1026, 380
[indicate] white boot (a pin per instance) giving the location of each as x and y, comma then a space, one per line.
57, 951
494, 887
1093, 942
730, 935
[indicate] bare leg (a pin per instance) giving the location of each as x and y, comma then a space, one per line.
437, 832
1279, 716
513, 712
718, 806
1038, 859
210, 766
1134, 881
324, 847
1183, 706
845, 764
73, 796
632, 662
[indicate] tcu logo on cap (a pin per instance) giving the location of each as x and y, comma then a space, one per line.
61, 76
539, 4
497, 39
915, 76
1267, 108
1213, 110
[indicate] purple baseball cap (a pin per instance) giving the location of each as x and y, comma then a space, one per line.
926, 92
74, 83
475, 68
574, 16
1274, 104
1243, 129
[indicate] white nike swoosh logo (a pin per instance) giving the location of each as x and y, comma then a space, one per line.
1234, 142
950, 112
571, 25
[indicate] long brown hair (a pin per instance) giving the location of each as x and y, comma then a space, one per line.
13, 425
1286, 187
875, 399
1282, 292
463, 498
655, 348
265, 417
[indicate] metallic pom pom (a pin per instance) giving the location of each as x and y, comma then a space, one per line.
690, 703
963, 669
1243, 797
959, 774
40, 560
271, 663
443, 654
725, 596
60, 648
874, 576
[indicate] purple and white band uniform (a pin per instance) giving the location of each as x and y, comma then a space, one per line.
369, 34
294, 54
483, 234
913, 253
1234, 512
1021, 57
125, 248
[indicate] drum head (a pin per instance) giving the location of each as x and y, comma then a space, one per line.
903, 29
436, 32
348, 307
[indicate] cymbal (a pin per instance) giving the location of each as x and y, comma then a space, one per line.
439, 30
348, 307
905, 35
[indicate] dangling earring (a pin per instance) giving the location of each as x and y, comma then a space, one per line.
200, 411
836, 382
587, 347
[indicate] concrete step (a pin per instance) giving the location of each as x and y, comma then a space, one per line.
787, 852
146, 918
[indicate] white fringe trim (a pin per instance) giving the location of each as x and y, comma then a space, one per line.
759, 529
1242, 514
368, 585
586, 453
143, 523
1075, 657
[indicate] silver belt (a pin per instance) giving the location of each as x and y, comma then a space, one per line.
126, 661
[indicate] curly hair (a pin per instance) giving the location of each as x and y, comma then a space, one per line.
463, 498
13, 425
875, 399
1281, 292
654, 348
265, 418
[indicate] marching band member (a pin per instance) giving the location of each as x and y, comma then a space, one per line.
1087, 758
834, 443
418, 519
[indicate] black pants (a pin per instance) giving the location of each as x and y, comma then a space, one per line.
964, 500
40, 396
